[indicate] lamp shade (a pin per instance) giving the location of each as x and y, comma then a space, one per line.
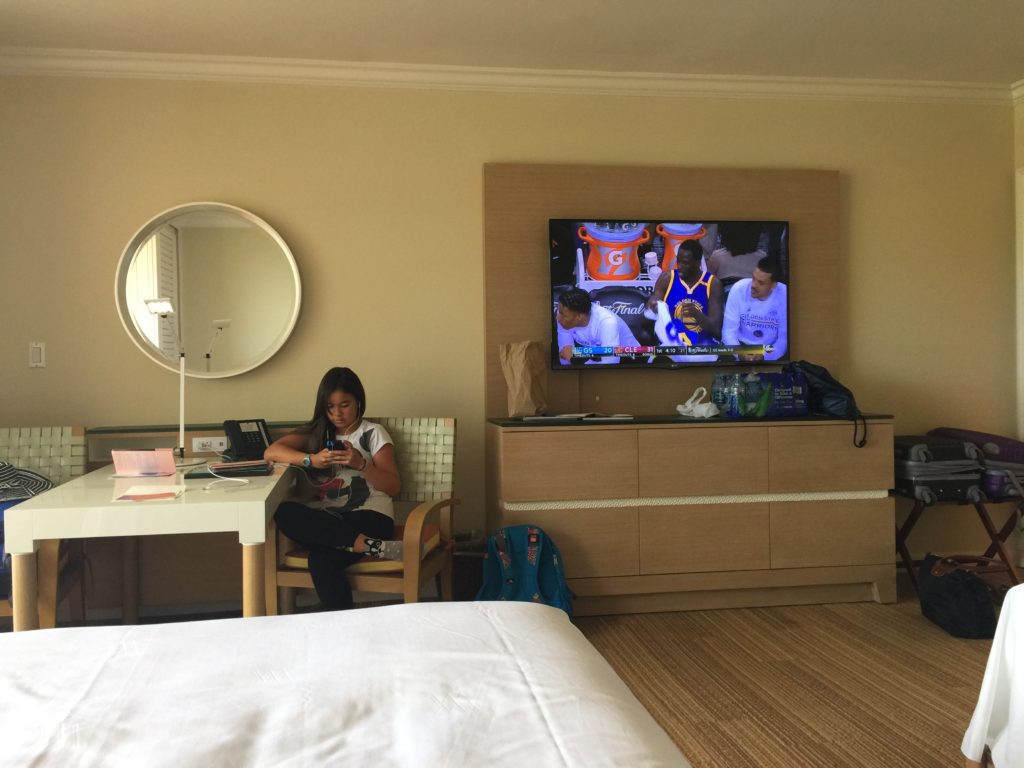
161, 306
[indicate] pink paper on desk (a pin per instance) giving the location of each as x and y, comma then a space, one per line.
153, 463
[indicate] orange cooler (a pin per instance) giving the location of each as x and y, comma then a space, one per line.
613, 249
674, 234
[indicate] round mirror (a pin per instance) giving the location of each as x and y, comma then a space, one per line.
211, 281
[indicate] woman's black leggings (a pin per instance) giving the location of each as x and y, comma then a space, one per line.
322, 533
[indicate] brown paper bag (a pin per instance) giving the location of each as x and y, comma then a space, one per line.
526, 377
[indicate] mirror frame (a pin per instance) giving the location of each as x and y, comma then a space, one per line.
146, 231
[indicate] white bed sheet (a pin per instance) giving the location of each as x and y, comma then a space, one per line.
998, 719
429, 684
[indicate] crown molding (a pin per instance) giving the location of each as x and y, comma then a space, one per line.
242, 69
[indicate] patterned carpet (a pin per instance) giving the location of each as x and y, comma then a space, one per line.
857, 684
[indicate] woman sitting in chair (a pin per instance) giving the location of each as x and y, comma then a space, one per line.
354, 515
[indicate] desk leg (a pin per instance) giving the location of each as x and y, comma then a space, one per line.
129, 580
254, 601
48, 582
24, 591
270, 571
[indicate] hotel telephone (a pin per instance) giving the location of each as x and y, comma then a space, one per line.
249, 438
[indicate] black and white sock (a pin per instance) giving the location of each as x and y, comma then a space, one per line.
385, 549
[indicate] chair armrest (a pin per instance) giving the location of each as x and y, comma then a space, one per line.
439, 511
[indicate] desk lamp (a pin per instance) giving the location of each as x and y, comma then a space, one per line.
219, 325
164, 308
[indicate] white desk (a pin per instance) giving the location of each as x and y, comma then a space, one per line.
85, 508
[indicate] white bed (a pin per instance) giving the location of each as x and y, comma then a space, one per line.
998, 720
423, 684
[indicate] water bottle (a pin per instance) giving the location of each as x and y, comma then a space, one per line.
764, 403
653, 270
719, 392
751, 392
736, 406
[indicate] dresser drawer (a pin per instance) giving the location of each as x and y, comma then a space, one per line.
707, 537
704, 461
808, 534
593, 542
823, 458
572, 464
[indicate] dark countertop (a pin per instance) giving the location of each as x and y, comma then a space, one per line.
554, 421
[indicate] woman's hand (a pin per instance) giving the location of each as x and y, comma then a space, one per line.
325, 459
350, 457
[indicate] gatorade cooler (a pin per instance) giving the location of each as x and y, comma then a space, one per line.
675, 233
613, 249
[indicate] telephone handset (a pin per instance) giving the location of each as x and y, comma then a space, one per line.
249, 439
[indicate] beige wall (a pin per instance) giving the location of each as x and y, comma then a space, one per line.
1018, 134
1018, 154
379, 195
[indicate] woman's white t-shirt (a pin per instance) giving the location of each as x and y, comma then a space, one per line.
349, 489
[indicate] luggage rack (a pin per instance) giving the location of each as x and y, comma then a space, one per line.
997, 547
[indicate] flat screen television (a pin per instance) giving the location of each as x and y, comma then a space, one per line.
668, 293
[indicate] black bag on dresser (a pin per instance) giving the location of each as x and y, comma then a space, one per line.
826, 396
956, 599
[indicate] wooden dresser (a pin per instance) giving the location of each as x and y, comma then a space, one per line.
659, 515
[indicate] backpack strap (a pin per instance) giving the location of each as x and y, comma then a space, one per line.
863, 440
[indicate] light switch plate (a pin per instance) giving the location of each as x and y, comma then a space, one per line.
37, 354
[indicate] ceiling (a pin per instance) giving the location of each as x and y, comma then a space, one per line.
948, 41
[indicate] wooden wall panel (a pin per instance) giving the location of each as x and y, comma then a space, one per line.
519, 199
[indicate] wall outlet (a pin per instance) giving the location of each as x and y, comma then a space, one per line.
209, 444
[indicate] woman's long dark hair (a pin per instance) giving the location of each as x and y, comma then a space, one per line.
320, 427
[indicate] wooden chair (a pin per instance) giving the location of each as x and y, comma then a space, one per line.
425, 454
58, 453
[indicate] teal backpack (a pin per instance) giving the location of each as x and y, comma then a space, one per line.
524, 564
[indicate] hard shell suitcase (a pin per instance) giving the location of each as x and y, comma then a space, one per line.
935, 468
926, 482
993, 447
922, 448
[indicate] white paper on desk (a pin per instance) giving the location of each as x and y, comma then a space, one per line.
157, 462
148, 492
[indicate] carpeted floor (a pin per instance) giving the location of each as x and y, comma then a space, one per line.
857, 684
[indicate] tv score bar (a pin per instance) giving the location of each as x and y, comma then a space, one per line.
707, 349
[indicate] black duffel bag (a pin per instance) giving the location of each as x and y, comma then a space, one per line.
828, 397
956, 599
